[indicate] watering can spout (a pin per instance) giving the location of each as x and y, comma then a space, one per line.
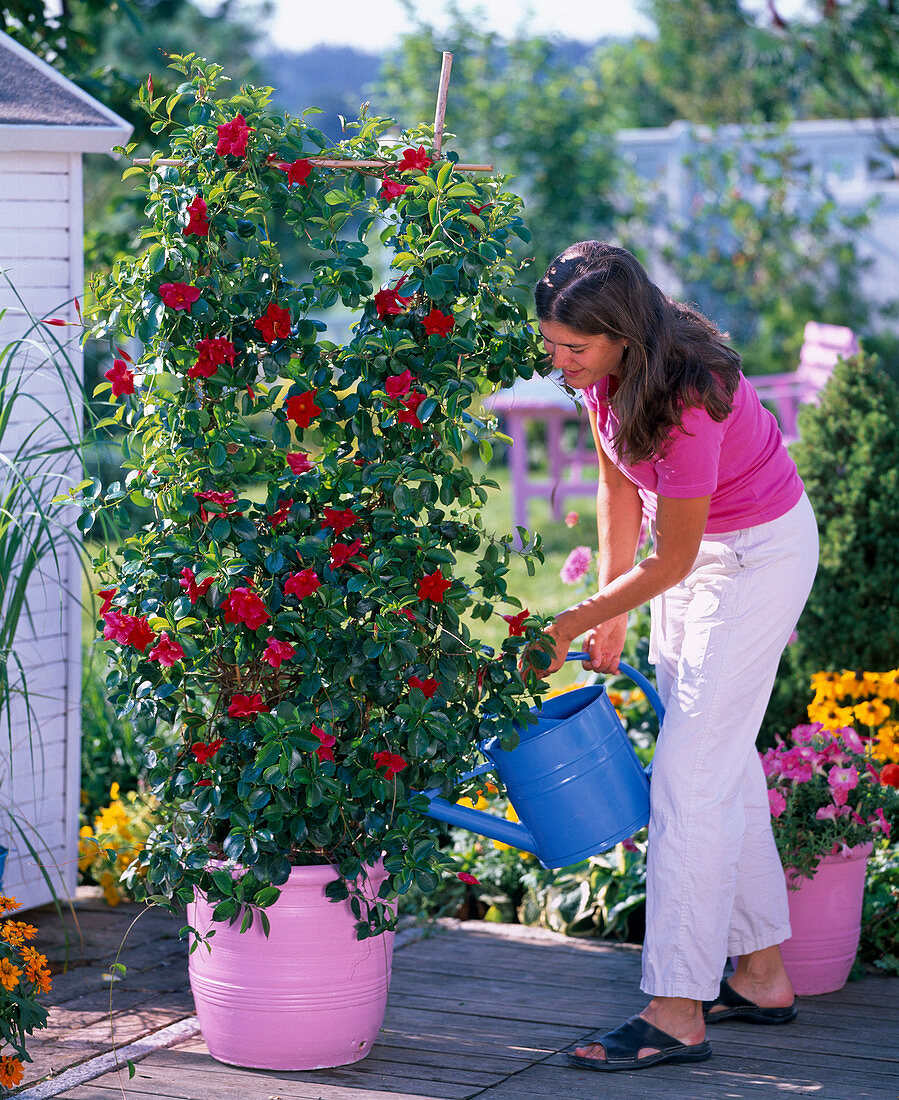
508, 832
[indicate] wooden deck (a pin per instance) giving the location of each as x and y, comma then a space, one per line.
486, 1010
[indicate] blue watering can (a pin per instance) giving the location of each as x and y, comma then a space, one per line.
574, 779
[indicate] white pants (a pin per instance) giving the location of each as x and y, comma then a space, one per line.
714, 884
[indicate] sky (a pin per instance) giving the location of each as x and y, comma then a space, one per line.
375, 24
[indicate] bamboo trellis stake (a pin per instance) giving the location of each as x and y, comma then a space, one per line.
376, 164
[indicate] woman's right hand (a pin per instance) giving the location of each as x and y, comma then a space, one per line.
604, 643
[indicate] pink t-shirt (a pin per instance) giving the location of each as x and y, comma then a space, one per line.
741, 462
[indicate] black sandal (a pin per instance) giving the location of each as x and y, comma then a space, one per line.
737, 1007
623, 1044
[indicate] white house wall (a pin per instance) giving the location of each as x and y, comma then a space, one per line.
41, 254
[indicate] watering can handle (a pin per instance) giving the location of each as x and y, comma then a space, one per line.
639, 679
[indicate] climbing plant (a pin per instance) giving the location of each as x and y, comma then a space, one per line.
297, 613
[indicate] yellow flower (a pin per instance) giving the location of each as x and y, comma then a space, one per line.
11, 1071
481, 803
873, 712
827, 685
886, 747
114, 792
511, 815
858, 684
888, 684
9, 974
830, 715
616, 699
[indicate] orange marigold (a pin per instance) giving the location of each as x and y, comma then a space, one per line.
11, 1071
17, 932
8, 905
9, 974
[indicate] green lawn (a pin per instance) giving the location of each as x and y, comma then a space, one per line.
544, 592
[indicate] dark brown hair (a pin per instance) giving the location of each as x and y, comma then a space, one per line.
676, 359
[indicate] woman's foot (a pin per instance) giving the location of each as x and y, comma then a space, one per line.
678, 1017
760, 977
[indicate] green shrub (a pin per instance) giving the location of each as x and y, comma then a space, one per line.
848, 457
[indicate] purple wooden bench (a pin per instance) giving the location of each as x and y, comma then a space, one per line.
784, 393
546, 401
571, 471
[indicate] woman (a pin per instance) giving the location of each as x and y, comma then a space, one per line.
683, 440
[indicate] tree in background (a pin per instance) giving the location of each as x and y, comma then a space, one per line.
848, 53
109, 48
766, 248
713, 64
533, 106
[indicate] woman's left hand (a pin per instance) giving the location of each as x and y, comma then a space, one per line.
558, 651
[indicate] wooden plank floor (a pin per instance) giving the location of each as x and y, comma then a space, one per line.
485, 1011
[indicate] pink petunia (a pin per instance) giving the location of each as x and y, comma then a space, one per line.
776, 802
842, 781
576, 565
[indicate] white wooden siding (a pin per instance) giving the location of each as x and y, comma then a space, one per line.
41, 253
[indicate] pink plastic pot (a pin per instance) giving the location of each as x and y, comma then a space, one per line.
308, 996
825, 916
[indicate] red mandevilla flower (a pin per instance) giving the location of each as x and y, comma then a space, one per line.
127, 630
341, 553
282, 514
277, 652
398, 385
302, 409
470, 880
197, 222
325, 750
339, 519
388, 300
391, 762
409, 415
516, 623
179, 295
224, 500
188, 582
299, 462
246, 706
204, 752
107, 595
244, 606
211, 354
391, 189
302, 584
298, 172
432, 586
166, 651
274, 324
426, 687
437, 323
414, 159
233, 137
121, 378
